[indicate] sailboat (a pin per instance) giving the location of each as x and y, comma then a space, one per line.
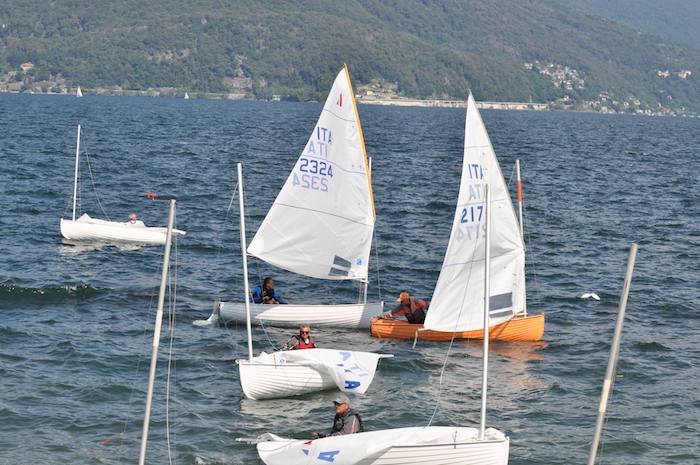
464, 258
295, 372
187, 96
86, 228
322, 222
78, 93
429, 445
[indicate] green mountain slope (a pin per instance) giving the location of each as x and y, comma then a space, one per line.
428, 48
676, 20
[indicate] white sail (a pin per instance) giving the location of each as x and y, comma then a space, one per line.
458, 300
78, 93
322, 221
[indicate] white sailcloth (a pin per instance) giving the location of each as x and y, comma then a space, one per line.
458, 300
322, 221
432, 445
351, 371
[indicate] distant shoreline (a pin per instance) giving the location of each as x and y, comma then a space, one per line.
399, 102
434, 103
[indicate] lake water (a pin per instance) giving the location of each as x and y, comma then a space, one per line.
76, 322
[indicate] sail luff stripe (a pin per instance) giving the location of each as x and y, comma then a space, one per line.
362, 140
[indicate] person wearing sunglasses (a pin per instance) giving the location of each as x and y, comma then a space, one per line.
346, 420
302, 340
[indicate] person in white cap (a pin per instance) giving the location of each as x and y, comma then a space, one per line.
346, 420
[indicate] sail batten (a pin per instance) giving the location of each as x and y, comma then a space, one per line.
325, 210
458, 300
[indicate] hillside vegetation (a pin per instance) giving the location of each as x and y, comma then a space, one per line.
507, 50
675, 20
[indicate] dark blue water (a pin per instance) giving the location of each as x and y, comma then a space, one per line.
76, 322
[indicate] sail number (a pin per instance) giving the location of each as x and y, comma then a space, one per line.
472, 214
307, 165
314, 174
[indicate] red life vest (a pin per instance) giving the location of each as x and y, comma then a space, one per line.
305, 345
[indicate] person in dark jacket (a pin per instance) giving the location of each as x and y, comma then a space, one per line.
346, 420
413, 309
266, 293
301, 341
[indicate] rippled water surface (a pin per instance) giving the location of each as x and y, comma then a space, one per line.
76, 322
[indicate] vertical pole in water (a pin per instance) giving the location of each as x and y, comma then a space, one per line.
614, 353
75, 179
487, 290
244, 247
156, 332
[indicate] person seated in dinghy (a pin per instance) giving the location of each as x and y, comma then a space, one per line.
134, 221
266, 294
346, 421
301, 341
413, 309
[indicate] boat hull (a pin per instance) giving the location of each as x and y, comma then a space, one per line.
351, 316
112, 231
295, 372
270, 381
528, 328
433, 445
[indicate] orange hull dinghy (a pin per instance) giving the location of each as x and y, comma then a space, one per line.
528, 328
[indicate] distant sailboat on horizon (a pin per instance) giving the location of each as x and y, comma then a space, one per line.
78, 93
187, 96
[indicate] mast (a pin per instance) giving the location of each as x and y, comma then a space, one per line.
487, 290
520, 198
366, 281
614, 353
520, 216
246, 286
156, 331
75, 179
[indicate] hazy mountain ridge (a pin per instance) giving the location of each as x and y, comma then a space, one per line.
675, 20
502, 49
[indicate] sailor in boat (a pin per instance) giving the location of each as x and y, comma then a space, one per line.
266, 294
302, 340
346, 421
413, 309
134, 221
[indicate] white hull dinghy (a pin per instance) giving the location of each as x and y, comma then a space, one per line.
297, 372
322, 222
86, 228
349, 316
431, 445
